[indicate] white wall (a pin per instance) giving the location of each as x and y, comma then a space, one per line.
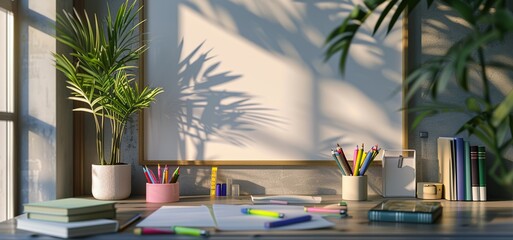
431, 31
45, 117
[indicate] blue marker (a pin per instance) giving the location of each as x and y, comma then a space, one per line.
289, 221
218, 190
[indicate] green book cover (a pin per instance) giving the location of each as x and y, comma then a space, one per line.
69, 206
481, 158
468, 179
405, 211
72, 218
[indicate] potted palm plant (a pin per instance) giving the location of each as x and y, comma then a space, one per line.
99, 73
489, 22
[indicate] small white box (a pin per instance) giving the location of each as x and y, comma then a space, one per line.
399, 173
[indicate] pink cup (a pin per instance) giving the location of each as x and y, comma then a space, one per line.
162, 193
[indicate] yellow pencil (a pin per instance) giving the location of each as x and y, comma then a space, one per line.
358, 161
364, 155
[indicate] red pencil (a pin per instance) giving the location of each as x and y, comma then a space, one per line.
146, 175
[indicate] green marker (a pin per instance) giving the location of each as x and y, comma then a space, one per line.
262, 212
342, 204
190, 231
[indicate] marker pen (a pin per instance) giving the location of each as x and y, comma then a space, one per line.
190, 231
326, 210
260, 212
151, 231
288, 221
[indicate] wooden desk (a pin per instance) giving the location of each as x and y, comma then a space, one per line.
474, 220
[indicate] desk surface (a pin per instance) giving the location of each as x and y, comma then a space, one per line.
479, 220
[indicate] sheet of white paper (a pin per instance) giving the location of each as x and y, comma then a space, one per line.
230, 218
287, 198
187, 216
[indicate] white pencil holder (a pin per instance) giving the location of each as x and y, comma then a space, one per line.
354, 188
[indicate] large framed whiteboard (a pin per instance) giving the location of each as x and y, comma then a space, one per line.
246, 84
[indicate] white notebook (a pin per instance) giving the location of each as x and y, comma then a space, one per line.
230, 218
287, 198
187, 216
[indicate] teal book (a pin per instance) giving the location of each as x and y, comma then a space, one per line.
468, 173
405, 211
69, 206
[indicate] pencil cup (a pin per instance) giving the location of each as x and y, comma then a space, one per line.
162, 193
354, 188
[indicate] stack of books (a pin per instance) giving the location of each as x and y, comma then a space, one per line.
462, 169
69, 217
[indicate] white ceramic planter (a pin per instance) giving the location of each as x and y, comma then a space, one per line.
111, 182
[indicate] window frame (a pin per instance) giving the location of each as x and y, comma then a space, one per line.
11, 113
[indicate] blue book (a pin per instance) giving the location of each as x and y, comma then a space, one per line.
460, 169
405, 211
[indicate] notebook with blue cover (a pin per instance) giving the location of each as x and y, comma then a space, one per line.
405, 211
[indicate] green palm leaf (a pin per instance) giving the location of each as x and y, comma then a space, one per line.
97, 69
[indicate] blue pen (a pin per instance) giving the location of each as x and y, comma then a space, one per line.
150, 175
288, 221
366, 163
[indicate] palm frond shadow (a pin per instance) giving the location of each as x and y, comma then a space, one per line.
208, 113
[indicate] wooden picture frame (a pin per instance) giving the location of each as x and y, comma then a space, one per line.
265, 34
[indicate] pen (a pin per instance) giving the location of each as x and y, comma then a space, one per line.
357, 165
326, 210
335, 156
345, 163
166, 173
260, 212
158, 172
366, 162
130, 221
146, 175
361, 152
151, 231
355, 159
374, 153
176, 174
190, 231
288, 221
150, 174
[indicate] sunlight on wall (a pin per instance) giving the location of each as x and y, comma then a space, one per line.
256, 52
40, 176
44, 8
38, 102
41, 76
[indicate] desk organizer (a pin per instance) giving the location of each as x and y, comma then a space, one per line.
162, 193
399, 173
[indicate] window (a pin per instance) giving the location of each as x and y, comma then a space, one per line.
7, 113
